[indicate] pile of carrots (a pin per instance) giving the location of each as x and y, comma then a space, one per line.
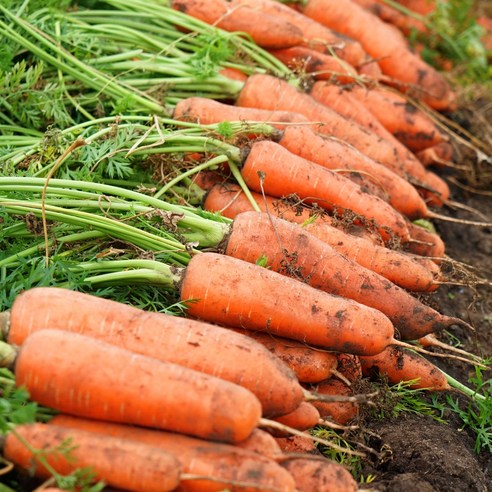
311, 289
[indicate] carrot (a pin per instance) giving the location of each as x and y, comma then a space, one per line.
321, 66
49, 361
440, 154
229, 200
394, 265
404, 120
350, 371
283, 96
220, 286
222, 466
207, 111
116, 461
297, 444
178, 340
233, 74
314, 183
405, 23
288, 249
310, 364
320, 475
339, 412
266, 30
425, 243
385, 43
261, 442
317, 36
304, 417
422, 7
398, 364
335, 154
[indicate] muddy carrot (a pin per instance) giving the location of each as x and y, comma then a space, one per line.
114, 381
314, 183
288, 249
266, 30
316, 36
321, 66
320, 475
385, 43
178, 340
403, 119
398, 364
118, 462
207, 111
328, 321
335, 154
283, 96
310, 364
220, 465
391, 264
304, 417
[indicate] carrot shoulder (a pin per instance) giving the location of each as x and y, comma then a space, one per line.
173, 339
121, 386
116, 461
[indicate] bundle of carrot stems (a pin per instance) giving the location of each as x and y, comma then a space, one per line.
259, 169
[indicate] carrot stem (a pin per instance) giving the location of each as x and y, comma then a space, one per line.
463, 388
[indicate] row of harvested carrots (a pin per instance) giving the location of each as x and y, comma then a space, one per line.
197, 394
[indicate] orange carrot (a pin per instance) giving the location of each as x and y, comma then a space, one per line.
112, 381
297, 444
223, 466
266, 30
229, 200
233, 74
316, 184
283, 96
425, 243
339, 412
440, 154
206, 111
385, 43
220, 286
321, 66
261, 442
422, 7
310, 364
396, 266
304, 417
405, 23
335, 154
317, 36
288, 249
118, 462
398, 364
178, 340
349, 371
404, 120
320, 475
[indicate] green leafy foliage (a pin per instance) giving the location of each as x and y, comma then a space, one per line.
476, 415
